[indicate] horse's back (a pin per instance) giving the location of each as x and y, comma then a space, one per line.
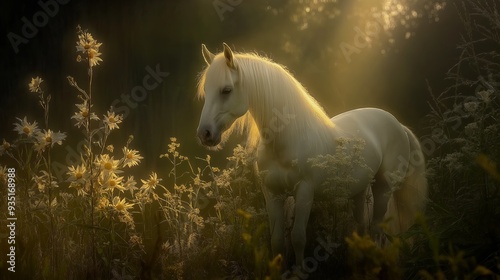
385, 137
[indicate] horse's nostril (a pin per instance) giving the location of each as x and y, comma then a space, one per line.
208, 135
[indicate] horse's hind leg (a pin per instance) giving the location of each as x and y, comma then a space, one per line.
381, 191
304, 196
359, 211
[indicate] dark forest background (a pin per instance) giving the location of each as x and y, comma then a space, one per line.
412, 52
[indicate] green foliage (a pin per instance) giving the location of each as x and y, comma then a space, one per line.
460, 235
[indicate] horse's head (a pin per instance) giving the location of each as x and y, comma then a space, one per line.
224, 100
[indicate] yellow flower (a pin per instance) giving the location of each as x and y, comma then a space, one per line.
94, 58
131, 157
151, 183
121, 205
26, 128
34, 85
89, 46
111, 120
111, 181
107, 164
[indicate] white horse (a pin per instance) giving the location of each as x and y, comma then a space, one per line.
288, 127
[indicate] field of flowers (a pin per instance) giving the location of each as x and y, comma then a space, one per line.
199, 221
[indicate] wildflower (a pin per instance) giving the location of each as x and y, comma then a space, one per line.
48, 138
194, 217
81, 187
471, 107
131, 157
94, 58
136, 240
83, 113
43, 181
103, 203
121, 205
110, 148
485, 95
172, 147
111, 181
89, 46
34, 85
107, 164
129, 185
26, 128
151, 183
86, 42
78, 173
4, 147
111, 120
126, 218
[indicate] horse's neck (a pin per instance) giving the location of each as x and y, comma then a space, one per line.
289, 129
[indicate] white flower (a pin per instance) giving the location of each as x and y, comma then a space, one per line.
111, 120
78, 173
82, 114
81, 188
44, 181
130, 185
121, 205
48, 138
151, 183
107, 164
131, 157
110, 181
34, 85
26, 128
86, 42
89, 46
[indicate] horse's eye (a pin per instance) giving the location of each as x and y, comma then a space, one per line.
226, 91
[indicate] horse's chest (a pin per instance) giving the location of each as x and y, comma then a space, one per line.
281, 179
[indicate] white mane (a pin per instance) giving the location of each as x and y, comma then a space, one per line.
272, 88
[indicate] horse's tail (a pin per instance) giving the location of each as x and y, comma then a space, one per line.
411, 196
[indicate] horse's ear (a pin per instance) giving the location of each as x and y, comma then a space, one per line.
228, 54
207, 55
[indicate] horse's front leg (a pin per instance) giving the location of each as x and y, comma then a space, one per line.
304, 196
274, 207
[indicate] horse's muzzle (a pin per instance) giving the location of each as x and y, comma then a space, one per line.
208, 137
